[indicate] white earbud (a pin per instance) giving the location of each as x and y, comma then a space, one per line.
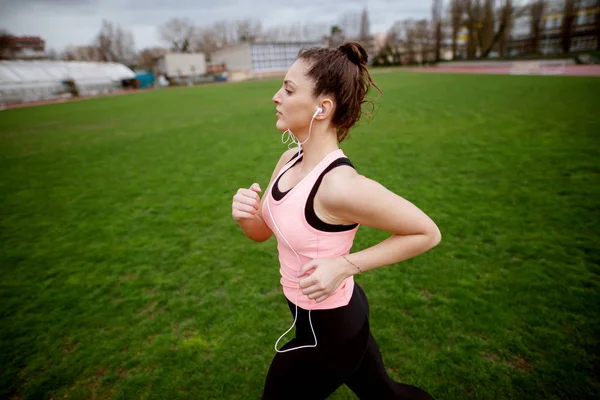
319, 110
293, 137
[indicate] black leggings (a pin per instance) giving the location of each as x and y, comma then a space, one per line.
346, 353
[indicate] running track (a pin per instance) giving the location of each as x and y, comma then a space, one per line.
521, 69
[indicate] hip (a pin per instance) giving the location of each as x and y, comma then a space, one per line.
334, 325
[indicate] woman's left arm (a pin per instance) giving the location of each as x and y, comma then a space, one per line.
355, 198
366, 202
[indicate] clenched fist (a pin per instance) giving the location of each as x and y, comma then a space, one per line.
246, 202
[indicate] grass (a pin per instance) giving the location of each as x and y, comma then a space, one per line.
124, 276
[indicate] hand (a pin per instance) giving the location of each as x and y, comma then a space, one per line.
246, 202
322, 277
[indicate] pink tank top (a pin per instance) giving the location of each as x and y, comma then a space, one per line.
311, 238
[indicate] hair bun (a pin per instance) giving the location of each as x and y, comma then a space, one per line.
355, 53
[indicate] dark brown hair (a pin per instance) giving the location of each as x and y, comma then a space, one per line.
341, 73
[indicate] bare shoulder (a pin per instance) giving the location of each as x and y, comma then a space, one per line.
345, 193
338, 184
285, 157
351, 197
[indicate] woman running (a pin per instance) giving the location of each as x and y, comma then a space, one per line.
314, 205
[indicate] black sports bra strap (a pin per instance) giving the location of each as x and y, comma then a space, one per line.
275, 192
309, 210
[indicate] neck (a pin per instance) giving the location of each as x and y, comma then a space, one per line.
322, 141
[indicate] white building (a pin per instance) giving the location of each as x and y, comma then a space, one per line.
182, 65
250, 60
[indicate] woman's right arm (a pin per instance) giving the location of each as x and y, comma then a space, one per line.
247, 205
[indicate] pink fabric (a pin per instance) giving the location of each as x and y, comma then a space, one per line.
307, 241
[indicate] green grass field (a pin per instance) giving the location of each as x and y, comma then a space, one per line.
125, 277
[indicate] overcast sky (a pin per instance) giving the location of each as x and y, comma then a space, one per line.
63, 23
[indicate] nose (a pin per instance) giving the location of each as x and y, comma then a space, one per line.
276, 97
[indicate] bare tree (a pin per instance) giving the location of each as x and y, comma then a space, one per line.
104, 41
391, 51
456, 18
248, 30
569, 14
205, 41
6, 47
292, 32
147, 57
537, 11
276, 33
84, 53
436, 20
505, 20
350, 24
178, 32
408, 40
297, 31
52, 54
115, 43
124, 46
315, 30
224, 33
474, 16
486, 32
422, 37
68, 54
502, 35
597, 22
399, 46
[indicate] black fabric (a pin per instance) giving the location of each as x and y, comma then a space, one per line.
275, 192
346, 353
309, 211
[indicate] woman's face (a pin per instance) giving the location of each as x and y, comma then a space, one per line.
294, 102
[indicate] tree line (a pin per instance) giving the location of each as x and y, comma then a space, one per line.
115, 43
487, 25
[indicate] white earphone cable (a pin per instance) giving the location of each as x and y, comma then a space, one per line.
297, 289
294, 139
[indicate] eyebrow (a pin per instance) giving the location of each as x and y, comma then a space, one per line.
287, 82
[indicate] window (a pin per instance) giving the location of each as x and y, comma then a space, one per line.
591, 18
274, 57
558, 22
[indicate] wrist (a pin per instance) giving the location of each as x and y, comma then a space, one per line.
246, 221
350, 267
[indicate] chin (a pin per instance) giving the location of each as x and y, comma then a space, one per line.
280, 126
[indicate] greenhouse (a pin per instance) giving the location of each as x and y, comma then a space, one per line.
27, 81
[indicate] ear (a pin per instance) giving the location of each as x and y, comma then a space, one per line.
327, 107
